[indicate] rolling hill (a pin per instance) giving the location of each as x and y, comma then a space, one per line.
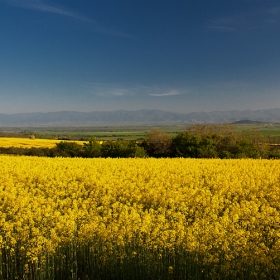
147, 117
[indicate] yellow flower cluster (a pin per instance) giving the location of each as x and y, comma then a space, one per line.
66, 218
7, 142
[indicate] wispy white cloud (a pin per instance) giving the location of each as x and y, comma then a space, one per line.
44, 6
169, 93
224, 24
254, 19
40, 5
108, 90
117, 90
120, 92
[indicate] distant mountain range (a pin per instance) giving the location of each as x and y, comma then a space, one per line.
147, 117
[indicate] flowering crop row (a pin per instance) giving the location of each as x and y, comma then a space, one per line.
7, 142
139, 218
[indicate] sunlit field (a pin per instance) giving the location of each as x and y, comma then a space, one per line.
7, 142
63, 218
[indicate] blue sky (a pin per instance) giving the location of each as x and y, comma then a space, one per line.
176, 55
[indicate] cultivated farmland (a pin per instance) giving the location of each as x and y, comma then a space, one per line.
139, 218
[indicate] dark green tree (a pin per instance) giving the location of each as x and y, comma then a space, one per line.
122, 148
186, 145
194, 146
92, 148
207, 148
158, 144
245, 149
71, 149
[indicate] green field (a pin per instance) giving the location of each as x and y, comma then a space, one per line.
269, 129
100, 133
123, 132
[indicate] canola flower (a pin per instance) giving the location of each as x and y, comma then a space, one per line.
7, 142
66, 218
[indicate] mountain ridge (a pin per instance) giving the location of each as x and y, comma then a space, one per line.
126, 117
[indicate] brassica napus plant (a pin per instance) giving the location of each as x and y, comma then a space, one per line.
139, 218
7, 142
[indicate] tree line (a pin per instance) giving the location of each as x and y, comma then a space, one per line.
198, 141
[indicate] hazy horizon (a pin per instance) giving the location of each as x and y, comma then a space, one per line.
136, 110
177, 56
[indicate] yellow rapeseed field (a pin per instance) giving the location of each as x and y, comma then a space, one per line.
63, 218
7, 142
